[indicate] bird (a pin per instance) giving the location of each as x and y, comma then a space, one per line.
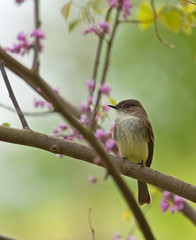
134, 136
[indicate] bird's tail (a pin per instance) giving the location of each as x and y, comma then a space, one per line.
143, 193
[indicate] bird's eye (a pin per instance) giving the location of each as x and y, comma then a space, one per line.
127, 105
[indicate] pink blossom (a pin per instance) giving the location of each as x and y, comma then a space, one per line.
62, 126
97, 160
90, 84
110, 143
179, 202
117, 236
38, 33
90, 100
124, 5
69, 138
105, 108
92, 179
131, 238
166, 195
84, 119
126, 8
84, 106
39, 90
114, 3
105, 89
164, 205
39, 103
56, 90
105, 27
19, 1
102, 27
24, 44
171, 203
22, 37
101, 134
91, 29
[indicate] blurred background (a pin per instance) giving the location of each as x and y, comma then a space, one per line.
45, 197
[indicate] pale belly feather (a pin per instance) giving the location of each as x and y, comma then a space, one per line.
131, 140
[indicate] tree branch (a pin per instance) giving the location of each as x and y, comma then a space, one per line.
36, 46
98, 53
12, 96
32, 114
87, 154
105, 68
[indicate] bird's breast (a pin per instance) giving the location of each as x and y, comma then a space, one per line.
131, 138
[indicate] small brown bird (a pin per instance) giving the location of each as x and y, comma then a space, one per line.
135, 139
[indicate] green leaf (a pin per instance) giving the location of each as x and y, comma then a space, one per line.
6, 124
172, 19
66, 10
145, 15
74, 24
112, 101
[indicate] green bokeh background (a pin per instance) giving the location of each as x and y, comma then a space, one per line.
44, 197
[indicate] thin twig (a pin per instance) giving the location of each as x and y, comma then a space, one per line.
136, 21
156, 27
105, 69
31, 114
191, 2
13, 98
35, 65
90, 224
98, 53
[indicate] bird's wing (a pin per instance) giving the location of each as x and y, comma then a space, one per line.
150, 143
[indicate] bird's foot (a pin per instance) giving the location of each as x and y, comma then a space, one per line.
141, 164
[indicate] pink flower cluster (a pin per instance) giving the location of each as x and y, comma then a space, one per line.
44, 103
25, 42
125, 5
118, 236
172, 203
64, 132
102, 27
19, 1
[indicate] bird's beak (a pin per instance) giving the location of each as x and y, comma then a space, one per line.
113, 106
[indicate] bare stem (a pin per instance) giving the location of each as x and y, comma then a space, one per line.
36, 46
13, 98
32, 114
156, 27
105, 69
98, 53
90, 224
